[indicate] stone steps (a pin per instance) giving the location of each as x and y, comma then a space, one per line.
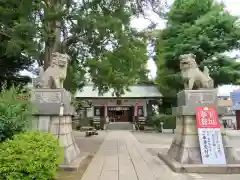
119, 126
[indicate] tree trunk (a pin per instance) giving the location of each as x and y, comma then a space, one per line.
52, 45
47, 56
57, 43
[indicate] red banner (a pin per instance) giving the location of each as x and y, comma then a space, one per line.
207, 117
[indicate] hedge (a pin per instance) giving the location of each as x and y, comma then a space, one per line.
169, 121
15, 112
30, 156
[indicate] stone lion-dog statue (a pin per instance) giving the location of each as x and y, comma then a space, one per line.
53, 77
193, 78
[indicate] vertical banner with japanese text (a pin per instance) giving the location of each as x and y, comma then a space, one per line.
209, 134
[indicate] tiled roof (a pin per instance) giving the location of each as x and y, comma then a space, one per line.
136, 91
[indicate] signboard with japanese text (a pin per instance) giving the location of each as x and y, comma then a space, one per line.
207, 117
118, 108
209, 134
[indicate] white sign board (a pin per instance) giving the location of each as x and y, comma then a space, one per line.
211, 146
209, 134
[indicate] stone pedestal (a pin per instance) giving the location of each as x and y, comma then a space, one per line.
47, 117
184, 155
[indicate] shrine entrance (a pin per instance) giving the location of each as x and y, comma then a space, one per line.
120, 114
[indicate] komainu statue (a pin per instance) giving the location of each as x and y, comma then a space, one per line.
54, 76
192, 76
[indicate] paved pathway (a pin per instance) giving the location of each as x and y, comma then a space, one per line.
122, 157
157, 142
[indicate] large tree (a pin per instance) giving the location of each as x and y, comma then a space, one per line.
204, 28
16, 40
95, 33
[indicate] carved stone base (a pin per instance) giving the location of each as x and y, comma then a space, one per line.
62, 128
47, 102
199, 168
231, 151
185, 148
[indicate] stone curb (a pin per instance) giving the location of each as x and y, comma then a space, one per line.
75, 165
199, 168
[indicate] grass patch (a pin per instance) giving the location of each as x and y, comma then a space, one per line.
75, 175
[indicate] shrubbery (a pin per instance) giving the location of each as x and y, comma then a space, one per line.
24, 155
169, 121
30, 156
15, 112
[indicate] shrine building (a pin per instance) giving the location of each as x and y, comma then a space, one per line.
133, 103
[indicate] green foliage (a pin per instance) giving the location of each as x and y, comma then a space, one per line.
121, 67
95, 34
105, 46
15, 111
17, 44
17, 27
86, 121
169, 121
187, 11
75, 79
30, 155
204, 28
91, 121
154, 120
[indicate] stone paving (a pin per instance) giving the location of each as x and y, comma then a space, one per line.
132, 156
157, 142
122, 157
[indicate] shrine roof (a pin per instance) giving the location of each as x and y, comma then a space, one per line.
136, 91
